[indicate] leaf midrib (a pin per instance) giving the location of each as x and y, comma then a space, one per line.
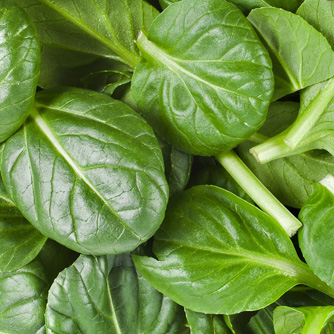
43, 126
127, 56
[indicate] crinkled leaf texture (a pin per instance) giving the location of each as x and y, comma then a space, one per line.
316, 235
87, 171
291, 178
22, 299
107, 295
20, 242
79, 37
19, 67
292, 43
219, 254
205, 80
304, 320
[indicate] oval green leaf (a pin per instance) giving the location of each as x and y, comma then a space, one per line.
291, 42
219, 254
19, 67
87, 171
210, 91
23, 299
110, 291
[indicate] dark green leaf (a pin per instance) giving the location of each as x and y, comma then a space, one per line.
316, 235
210, 91
19, 67
292, 43
219, 254
315, 320
290, 179
79, 37
87, 171
121, 300
201, 323
262, 322
22, 299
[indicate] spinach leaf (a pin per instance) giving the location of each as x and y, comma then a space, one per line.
201, 323
291, 178
315, 238
165, 3
292, 43
22, 299
262, 322
80, 37
205, 80
87, 171
304, 320
20, 242
19, 67
124, 302
219, 254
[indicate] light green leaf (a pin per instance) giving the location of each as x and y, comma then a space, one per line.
87, 171
110, 291
301, 55
303, 320
22, 299
290, 178
19, 67
219, 254
79, 37
315, 237
210, 91
201, 323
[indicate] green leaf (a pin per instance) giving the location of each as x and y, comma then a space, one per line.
291, 178
304, 320
320, 15
210, 91
110, 291
19, 67
22, 299
165, 3
79, 37
219, 254
201, 323
87, 171
248, 5
262, 322
315, 237
291, 42
20, 242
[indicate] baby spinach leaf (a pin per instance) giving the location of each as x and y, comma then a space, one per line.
315, 238
82, 36
121, 300
22, 299
165, 3
304, 320
262, 322
219, 254
248, 5
87, 171
291, 178
19, 67
201, 323
292, 43
208, 91
20, 242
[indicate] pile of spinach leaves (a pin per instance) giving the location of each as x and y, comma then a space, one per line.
166, 166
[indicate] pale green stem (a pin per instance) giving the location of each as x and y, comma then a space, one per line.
306, 121
258, 138
258, 192
328, 182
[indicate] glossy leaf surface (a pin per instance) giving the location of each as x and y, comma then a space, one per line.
291, 178
123, 301
208, 92
219, 254
19, 67
83, 175
22, 299
292, 43
304, 320
316, 236
20, 242
79, 37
